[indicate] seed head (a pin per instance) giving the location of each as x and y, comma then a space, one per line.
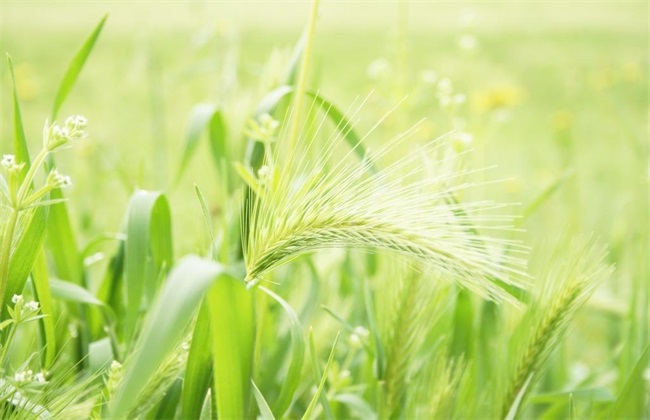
32, 305
9, 163
55, 136
58, 180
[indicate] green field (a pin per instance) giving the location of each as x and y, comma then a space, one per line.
446, 214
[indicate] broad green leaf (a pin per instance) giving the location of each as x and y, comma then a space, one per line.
168, 406
198, 372
292, 378
217, 135
100, 354
74, 68
166, 320
74, 293
26, 252
233, 336
148, 251
62, 241
204, 116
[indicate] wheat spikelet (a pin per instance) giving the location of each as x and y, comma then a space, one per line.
566, 287
302, 205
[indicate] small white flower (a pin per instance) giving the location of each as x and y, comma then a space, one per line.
23, 376
40, 378
263, 172
8, 160
57, 180
355, 341
32, 305
16, 298
73, 129
76, 123
10, 164
362, 332
116, 366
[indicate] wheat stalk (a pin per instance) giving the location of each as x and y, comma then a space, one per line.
566, 287
302, 206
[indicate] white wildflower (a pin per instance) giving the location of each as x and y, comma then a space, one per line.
16, 298
10, 164
263, 172
56, 136
355, 341
32, 305
57, 180
76, 123
40, 378
23, 376
362, 332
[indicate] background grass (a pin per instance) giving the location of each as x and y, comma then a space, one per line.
572, 79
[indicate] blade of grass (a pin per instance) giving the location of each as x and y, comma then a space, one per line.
43, 295
148, 251
21, 151
198, 372
323, 380
633, 397
265, 410
74, 68
233, 333
293, 376
204, 116
168, 317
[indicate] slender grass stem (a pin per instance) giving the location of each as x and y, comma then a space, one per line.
299, 94
5, 252
27, 182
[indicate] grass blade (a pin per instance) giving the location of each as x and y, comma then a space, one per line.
21, 151
321, 385
265, 410
233, 334
74, 68
167, 319
292, 378
198, 372
148, 251
633, 397
204, 116
43, 295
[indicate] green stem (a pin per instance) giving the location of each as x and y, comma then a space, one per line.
27, 182
5, 252
6, 344
299, 93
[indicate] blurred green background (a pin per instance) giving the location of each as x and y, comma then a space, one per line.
547, 91
548, 88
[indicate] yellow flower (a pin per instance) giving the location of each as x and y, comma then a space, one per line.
497, 97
